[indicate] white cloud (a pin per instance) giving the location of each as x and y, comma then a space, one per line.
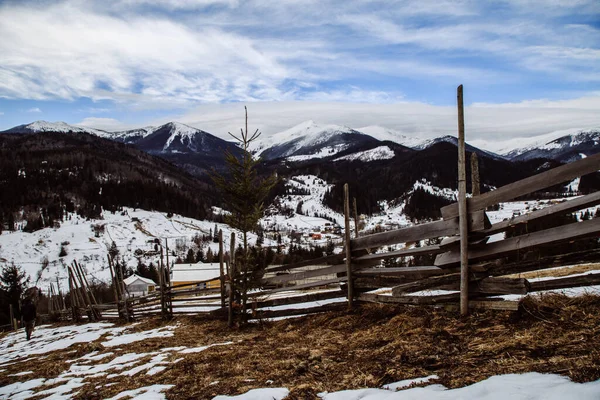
111, 57
487, 124
34, 110
176, 53
107, 124
1, 113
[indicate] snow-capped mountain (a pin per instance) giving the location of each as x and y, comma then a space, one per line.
454, 140
567, 148
311, 140
175, 137
392, 135
133, 135
61, 127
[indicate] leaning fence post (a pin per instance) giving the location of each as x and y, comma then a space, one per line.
74, 311
221, 269
462, 207
232, 273
115, 287
348, 246
12, 317
475, 183
355, 217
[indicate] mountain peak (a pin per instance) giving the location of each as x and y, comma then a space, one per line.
59, 126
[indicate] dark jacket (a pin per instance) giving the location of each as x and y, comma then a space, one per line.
28, 311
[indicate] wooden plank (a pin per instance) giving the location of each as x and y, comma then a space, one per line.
557, 209
500, 286
534, 183
332, 259
416, 300
442, 300
400, 253
477, 222
579, 257
425, 284
334, 269
368, 283
298, 311
565, 283
332, 294
503, 305
505, 247
303, 286
403, 271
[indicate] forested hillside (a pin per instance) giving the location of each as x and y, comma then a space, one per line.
47, 174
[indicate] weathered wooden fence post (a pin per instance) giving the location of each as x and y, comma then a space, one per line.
355, 217
12, 318
462, 207
74, 311
348, 246
161, 278
85, 292
232, 274
475, 182
113, 276
221, 268
87, 284
168, 294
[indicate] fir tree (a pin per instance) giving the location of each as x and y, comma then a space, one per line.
190, 258
244, 193
13, 282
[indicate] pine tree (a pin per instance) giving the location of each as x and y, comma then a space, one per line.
190, 258
113, 250
244, 193
200, 256
13, 282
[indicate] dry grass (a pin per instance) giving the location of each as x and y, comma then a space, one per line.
368, 348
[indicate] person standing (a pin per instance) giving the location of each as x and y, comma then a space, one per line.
29, 314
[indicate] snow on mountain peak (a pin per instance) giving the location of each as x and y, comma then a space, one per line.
307, 133
59, 126
180, 131
392, 135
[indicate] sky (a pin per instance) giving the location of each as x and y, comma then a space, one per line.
528, 67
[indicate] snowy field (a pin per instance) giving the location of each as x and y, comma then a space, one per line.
132, 230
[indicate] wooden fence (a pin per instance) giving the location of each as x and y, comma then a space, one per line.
465, 260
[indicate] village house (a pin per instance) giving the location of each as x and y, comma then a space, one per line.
138, 285
187, 276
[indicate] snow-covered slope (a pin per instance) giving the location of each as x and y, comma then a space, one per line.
133, 231
378, 153
311, 140
62, 127
133, 135
383, 134
175, 137
454, 140
306, 195
570, 145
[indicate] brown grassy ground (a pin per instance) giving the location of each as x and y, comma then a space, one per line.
367, 348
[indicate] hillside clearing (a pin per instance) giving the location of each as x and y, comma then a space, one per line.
374, 346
